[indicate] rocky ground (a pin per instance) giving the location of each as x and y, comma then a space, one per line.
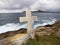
40, 31
12, 33
49, 29
47, 35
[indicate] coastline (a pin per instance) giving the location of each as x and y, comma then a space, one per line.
52, 28
20, 37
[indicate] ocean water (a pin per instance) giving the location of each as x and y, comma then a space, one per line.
10, 21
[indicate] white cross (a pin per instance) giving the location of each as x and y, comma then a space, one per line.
29, 18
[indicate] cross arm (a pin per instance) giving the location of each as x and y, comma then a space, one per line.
22, 19
34, 18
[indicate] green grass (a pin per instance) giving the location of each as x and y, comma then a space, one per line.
46, 40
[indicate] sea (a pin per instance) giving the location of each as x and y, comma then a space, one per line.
11, 22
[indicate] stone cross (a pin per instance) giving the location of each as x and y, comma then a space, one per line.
29, 18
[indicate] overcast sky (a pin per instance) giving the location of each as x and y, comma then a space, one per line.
20, 5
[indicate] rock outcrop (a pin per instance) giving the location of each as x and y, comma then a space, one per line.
44, 31
12, 33
40, 31
49, 29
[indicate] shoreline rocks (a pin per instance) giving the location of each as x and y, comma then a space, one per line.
46, 30
12, 33
40, 31
49, 29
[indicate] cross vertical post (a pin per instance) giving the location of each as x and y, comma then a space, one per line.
29, 18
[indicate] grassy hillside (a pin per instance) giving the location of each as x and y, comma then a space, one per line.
46, 40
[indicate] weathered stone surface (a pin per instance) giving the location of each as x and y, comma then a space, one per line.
41, 31
20, 41
59, 29
58, 34
49, 29
12, 33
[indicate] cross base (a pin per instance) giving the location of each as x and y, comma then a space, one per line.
32, 35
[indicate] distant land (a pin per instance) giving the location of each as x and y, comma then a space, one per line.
40, 11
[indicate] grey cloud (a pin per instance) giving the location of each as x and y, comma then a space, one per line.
46, 5
14, 3
33, 4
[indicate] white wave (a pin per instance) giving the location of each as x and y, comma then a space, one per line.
16, 26
46, 22
11, 27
